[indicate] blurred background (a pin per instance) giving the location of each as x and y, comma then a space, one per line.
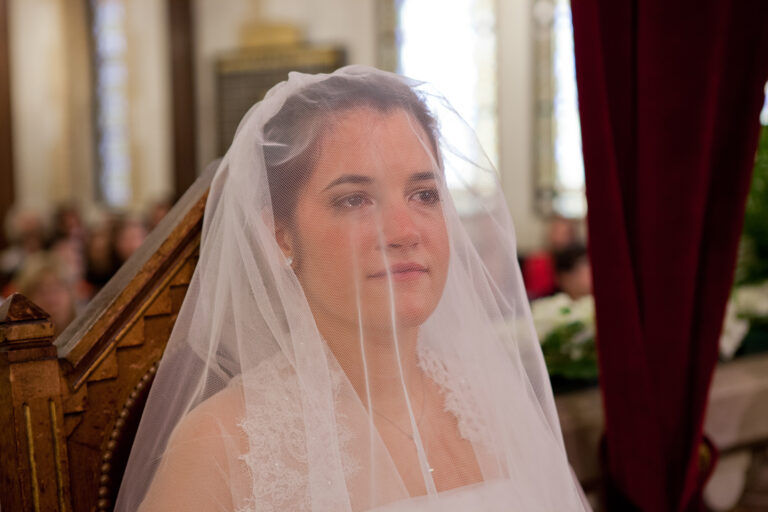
109, 110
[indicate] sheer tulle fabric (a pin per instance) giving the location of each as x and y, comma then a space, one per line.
326, 344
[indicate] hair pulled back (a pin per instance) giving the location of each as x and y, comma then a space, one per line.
292, 137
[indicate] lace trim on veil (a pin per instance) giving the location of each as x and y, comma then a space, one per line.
456, 393
277, 458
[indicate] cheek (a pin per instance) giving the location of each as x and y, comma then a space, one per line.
325, 262
321, 249
337, 243
439, 247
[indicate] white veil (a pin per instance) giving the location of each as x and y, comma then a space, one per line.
348, 341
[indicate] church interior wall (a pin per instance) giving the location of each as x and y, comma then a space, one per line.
515, 103
48, 102
54, 145
53, 104
351, 24
150, 95
222, 26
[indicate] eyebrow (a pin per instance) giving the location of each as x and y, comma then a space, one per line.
422, 176
349, 178
360, 179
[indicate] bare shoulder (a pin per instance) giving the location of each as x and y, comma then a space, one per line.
197, 471
223, 413
217, 416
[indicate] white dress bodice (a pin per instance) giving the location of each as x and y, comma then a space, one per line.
277, 459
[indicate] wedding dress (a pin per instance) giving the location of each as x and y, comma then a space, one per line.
345, 344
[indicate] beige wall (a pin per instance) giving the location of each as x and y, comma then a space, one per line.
52, 103
150, 96
352, 24
515, 76
218, 26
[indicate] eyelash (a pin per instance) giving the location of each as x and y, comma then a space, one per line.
434, 195
343, 204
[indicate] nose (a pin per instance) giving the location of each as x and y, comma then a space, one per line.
398, 228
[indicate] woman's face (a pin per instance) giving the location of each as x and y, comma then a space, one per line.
369, 224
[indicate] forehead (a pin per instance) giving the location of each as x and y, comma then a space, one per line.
369, 142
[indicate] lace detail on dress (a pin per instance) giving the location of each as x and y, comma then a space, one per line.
456, 392
277, 458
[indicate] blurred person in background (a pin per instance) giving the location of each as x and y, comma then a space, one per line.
26, 233
111, 241
69, 252
68, 246
68, 223
44, 279
88, 255
573, 271
99, 257
129, 234
539, 267
157, 211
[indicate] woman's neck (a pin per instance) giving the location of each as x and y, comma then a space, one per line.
381, 350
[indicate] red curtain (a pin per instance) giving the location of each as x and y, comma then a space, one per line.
669, 97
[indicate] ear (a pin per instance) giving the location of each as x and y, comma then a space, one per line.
284, 240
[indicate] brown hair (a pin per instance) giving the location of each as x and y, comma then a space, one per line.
304, 117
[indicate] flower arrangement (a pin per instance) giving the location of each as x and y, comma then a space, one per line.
566, 331
566, 328
745, 329
746, 318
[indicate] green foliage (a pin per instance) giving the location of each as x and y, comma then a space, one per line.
568, 353
752, 266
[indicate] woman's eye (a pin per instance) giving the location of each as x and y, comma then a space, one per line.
352, 201
427, 196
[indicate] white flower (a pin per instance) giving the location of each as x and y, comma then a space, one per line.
747, 302
751, 300
734, 330
549, 313
584, 310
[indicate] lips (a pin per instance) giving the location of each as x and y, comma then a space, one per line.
402, 270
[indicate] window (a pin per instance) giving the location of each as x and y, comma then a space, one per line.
559, 162
111, 72
436, 44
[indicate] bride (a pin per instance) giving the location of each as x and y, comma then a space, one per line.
349, 342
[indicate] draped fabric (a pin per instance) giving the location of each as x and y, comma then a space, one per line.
669, 98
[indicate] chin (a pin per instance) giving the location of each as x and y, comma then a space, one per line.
411, 319
412, 307
413, 315
407, 316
